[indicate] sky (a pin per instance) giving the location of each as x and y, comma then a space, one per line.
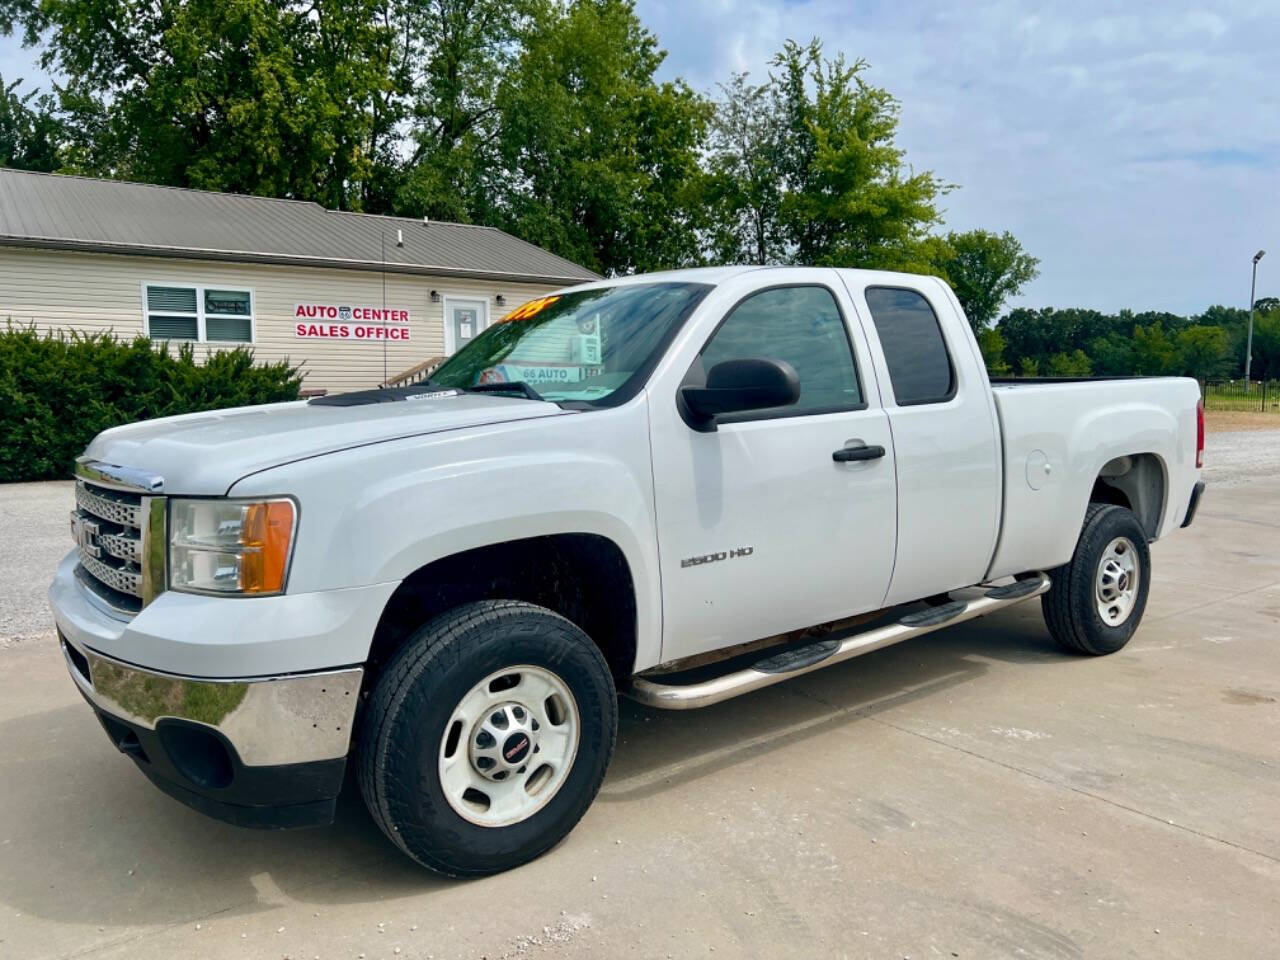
1133, 147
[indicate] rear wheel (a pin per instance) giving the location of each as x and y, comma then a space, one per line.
1098, 597
487, 737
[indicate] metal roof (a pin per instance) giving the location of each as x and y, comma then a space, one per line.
54, 211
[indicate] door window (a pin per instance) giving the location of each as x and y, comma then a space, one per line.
919, 367
802, 326
466, 320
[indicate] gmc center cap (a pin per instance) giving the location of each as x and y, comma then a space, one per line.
516, 747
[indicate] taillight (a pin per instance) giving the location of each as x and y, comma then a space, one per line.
1199, 434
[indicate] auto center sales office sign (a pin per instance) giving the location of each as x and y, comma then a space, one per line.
333, 321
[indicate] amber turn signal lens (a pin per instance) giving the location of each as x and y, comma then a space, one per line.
265, 536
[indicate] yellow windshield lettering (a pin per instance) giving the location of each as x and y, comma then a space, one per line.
530, 309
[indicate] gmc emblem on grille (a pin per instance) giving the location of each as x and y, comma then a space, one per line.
85, 534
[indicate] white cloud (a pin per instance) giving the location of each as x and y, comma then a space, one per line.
1135, 148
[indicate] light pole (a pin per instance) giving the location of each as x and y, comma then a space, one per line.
1253, 289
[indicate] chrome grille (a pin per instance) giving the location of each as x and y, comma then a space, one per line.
112, 505
108, 526
121, 579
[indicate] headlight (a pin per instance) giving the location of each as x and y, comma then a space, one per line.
230, 546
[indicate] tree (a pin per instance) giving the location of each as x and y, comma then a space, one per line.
991, 343
1073, 364
1203, 351
848, 198
600, 162
29, 133
252, 96
451, 56
1153, 352
986, 269
743, 191
1112, 355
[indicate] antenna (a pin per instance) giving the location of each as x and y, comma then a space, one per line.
384, 307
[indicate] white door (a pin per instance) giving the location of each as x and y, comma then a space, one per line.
944, 430
463, 320
760, 529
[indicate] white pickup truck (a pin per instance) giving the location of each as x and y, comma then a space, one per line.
682, 486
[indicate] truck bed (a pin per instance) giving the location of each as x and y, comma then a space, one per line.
1059, 433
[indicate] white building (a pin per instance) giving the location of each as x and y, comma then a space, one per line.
356, 299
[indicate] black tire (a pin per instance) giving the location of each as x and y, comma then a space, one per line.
1071, 606
400, 739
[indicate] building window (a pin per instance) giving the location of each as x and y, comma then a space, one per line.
209, 314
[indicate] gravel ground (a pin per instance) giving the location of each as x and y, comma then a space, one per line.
34, 534
1239, 456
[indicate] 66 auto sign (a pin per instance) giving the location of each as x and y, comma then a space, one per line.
341, 321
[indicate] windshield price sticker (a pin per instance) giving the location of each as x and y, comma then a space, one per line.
530, 309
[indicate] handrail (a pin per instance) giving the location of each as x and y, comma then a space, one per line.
417, 373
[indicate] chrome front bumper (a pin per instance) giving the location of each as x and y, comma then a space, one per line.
268, 721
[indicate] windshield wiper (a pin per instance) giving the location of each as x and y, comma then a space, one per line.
515, 386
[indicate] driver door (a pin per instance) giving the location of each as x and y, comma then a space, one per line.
760, 530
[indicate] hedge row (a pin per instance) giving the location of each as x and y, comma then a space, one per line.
58, 391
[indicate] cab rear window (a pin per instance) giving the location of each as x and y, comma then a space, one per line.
919, 366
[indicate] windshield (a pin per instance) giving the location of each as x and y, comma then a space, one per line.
584, 345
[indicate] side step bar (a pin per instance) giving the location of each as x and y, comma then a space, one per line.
823, 652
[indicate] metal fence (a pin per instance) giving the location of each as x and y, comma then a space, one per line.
1260, 395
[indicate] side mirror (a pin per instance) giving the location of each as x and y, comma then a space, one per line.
736, 386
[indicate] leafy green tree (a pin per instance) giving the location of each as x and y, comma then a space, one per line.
1153, 352
1073, 364
252, 96
1266, 347
29, 132
743, 191
986, 269
451, 56
1203, 351
991, 343
1029, 367
600, 162
1112, 355
848, 197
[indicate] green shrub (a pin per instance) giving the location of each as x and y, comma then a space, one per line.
58, 391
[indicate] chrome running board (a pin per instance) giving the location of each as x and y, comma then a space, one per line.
794, 661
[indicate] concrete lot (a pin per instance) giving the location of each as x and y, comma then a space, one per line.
974, 793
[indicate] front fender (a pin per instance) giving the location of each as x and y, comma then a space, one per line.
376, 514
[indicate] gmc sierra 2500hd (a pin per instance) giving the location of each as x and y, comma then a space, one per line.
754, 472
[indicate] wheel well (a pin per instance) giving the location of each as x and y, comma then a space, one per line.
1136, 482
582, 577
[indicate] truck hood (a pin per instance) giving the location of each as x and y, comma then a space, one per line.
205, 453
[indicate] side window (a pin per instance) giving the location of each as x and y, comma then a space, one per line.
919, 366
801, 325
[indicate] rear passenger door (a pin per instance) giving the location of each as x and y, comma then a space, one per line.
941, 413
760, 529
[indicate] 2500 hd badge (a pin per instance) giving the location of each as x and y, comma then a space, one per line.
716, 557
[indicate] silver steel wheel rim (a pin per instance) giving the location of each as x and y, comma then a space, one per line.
509, 745
1116, 585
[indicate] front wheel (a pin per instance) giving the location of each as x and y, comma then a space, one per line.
1098, 597
487, 737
